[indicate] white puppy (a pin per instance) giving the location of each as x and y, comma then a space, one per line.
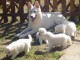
18, 46
61, 28
41, 39
67, 27
55, 39
38, 19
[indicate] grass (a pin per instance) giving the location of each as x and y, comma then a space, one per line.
78, 25
7, 32
38, 52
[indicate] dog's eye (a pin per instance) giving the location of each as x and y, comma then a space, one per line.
35, 11
41, 32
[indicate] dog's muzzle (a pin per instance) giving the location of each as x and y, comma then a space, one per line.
33, 18
39, 34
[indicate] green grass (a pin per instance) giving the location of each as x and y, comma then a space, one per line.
78, 25
7, 32
32, 55
8, 36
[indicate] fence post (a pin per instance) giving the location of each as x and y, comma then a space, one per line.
79, 10
72, 10
46, 5
54, 5
4, 11
13, 10
63, 7
21, 11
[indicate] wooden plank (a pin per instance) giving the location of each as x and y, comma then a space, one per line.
21, 11
72, 9
67, 7
79, 8
59, 1
38, 0
4, 11
13, 10
46, 2
54, 5
63, 2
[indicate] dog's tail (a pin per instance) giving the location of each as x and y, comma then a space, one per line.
30, 37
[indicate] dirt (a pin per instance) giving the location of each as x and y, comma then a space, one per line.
72, 52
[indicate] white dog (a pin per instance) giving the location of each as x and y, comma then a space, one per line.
55, 39
41, 39
38, 19
18, 46
67, 27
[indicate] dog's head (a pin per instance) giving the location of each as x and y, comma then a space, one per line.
34, 11
42, 31
9, 52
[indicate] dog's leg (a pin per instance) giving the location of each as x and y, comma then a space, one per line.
64, 45
15, 54
30, 32
46, 42
27, 47
24, 31
40, 40
30, 46
49, 48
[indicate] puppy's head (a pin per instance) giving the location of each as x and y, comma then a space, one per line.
42, 31
9, 52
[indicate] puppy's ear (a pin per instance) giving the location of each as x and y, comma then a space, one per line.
29, 5
37, 5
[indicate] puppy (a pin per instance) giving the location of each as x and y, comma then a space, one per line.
18, 46
41, 39
67, 27
39, 19
55, 39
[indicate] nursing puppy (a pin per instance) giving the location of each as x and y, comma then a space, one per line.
68, 28
55, 39
39, 19
18, 46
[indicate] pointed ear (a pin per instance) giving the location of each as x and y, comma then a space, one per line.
29, 5
37, 5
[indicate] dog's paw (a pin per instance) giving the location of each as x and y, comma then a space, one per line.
21, 36
17, 35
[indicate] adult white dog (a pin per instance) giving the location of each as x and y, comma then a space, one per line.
55, 39
38, 19
68, 28
18, 46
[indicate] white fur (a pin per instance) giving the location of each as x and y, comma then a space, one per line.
41, 39
55, 39
67, 27
18, 46
38, 19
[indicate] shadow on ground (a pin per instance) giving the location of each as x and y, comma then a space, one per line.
8, 30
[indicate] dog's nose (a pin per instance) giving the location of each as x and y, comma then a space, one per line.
39, 34
31, 16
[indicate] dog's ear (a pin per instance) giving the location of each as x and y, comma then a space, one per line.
37, 5
29, 5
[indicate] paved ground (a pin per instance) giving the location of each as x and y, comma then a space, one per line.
72, 52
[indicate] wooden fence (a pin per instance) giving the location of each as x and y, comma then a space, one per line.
11, 9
